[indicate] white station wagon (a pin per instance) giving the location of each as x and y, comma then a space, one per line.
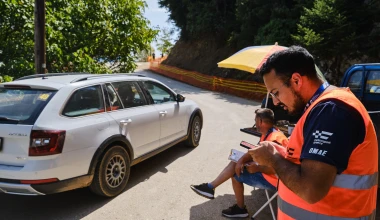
60, 132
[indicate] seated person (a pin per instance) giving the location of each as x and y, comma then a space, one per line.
127, 96
247, 171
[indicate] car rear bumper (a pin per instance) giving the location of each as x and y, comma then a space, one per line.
62, 166
18, 189
11, 187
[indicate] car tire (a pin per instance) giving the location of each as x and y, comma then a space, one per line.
112, 173
195, 132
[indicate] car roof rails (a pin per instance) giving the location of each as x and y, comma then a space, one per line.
367, 64
78, 73
47, 75
104, 75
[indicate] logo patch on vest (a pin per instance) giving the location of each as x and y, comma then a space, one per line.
317, 151
321, 137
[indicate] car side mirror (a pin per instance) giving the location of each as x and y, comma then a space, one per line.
180, 98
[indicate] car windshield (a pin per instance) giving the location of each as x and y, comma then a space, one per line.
22, 106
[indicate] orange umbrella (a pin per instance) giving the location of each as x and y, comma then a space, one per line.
251, 58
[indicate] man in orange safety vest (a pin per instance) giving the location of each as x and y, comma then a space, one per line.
330, 169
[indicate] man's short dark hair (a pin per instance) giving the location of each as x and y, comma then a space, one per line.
288, 61
265, 114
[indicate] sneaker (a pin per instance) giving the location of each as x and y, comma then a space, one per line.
235, 212
203, 190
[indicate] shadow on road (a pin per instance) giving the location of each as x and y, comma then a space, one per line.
144, 170
68, 205
79, 203
212, 209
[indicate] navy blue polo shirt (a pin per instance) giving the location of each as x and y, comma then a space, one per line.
332, 130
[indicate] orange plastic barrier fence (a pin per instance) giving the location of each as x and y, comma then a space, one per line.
241, 88
159, 60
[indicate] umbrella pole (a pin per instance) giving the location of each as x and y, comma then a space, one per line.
266, 101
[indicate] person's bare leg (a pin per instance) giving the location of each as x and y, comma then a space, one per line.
226, 174
239, 192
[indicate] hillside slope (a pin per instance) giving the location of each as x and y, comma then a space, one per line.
202, 56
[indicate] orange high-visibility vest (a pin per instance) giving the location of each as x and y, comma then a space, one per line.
280, 138
353, 193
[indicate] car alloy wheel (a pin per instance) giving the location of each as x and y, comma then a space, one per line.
116, 171
112, 172
195, 132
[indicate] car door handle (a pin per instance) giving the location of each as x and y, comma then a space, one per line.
126, 121
163, 112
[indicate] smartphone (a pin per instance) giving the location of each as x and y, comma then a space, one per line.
247, 145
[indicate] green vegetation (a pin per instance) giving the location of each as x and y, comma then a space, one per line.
332, 30
164, 43
108, 35
81, 36
335, 30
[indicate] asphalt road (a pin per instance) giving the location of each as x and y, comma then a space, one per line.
159, 187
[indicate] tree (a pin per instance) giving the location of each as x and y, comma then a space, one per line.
81, 35
16, 37
142, 56
198, 18
165, 40
336, 29
178, 12
264, 22
241, 23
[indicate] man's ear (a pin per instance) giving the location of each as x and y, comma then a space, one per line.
297, 80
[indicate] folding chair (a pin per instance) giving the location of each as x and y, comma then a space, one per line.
266, 204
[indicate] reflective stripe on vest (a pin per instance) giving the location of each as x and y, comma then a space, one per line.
298, 213
348, 181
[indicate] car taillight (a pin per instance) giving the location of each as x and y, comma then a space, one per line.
52, 180
43, 143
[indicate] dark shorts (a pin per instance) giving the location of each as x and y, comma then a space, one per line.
255, 179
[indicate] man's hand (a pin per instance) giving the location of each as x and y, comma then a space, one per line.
239, 168
311, 180
252, 167
264, 153
240, 164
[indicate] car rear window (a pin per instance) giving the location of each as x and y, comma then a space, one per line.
85, 101
22, 106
